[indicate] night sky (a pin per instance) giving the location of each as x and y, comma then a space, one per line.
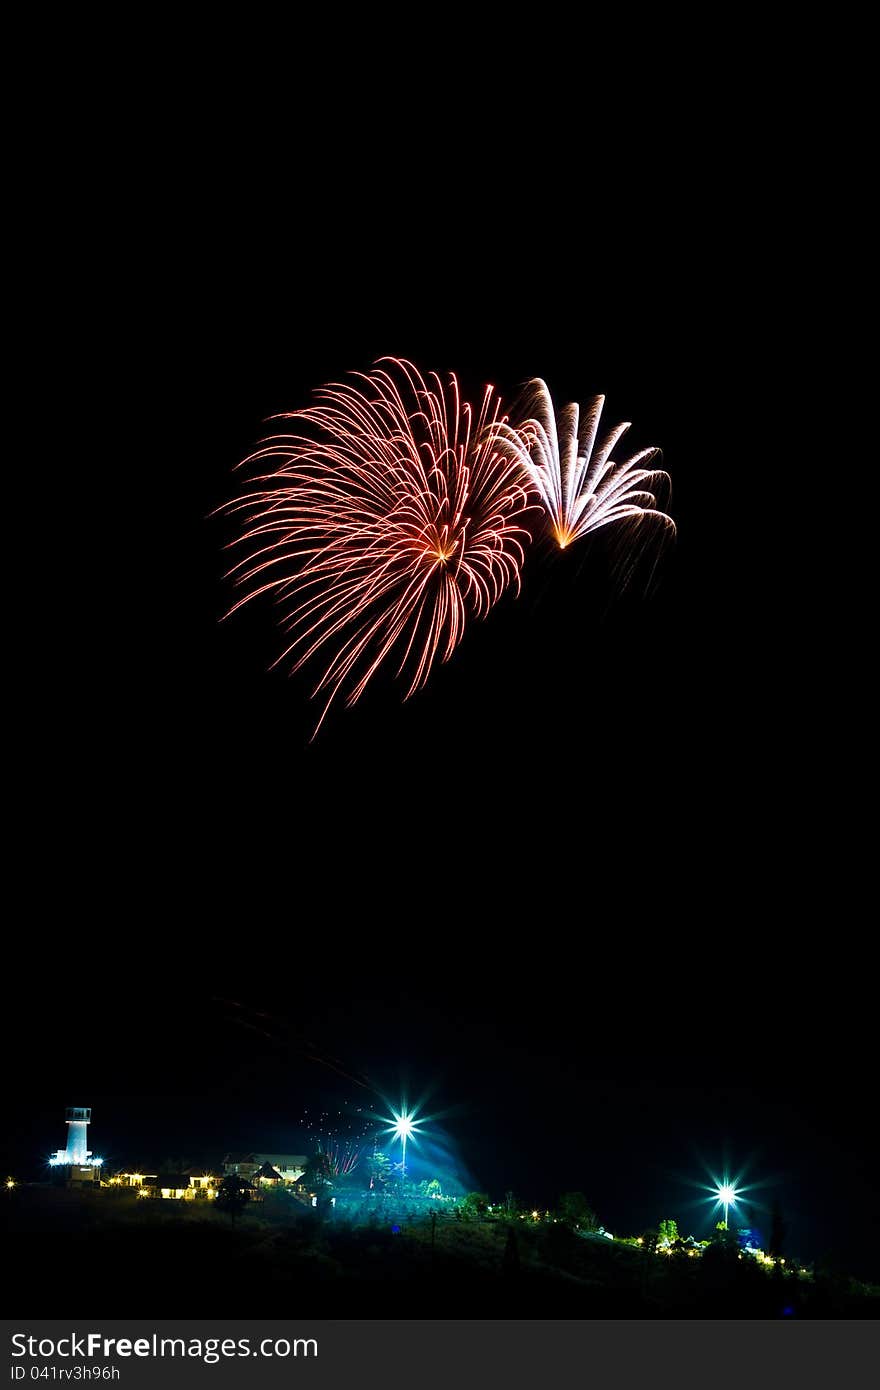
573, 888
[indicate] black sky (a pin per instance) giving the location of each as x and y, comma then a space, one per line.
577, 884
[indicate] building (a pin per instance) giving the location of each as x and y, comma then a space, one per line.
193, 1186
76, 1156
132, 1179
289, 1167
201, 1184
172, 1185
240, 1165
80, 1174
268, 1177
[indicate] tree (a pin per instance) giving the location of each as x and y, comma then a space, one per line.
233, 1195
380, 1171
576, 1211
473, 1205
778, 1231
649, 1247
668, 1232
649, 1242
722, 1240
317, 1171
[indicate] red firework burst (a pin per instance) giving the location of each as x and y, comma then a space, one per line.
390, 520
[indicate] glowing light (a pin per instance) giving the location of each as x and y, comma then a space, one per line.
726, 1195
10, 1183
535, 1215
383, 527
404, 1126
581, 487
143, 1192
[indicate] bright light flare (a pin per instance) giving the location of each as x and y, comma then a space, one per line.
404, 1126
726, 1193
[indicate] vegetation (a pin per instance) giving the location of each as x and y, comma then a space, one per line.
575, 1211
473, 1206
388, 1260
379, 1169
233, 1195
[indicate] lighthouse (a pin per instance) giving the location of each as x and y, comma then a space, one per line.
77, 1152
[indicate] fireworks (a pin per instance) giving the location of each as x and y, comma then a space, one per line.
341, 1161
394, 517
396, 512
581, 486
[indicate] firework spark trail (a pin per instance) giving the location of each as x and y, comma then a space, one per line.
278, 1032
384, 532
341, 1161
581, 486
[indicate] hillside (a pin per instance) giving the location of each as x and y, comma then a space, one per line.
170, 1258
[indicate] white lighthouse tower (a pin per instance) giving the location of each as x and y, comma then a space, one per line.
77, 1153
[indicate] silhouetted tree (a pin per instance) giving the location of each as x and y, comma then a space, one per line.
233, 1195
649, 1241
317, 1171
778, 1231
576, 1211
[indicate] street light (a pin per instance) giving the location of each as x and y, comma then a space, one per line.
403, 1127
726, 1193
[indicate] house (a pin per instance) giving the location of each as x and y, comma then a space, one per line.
289, 1167
267, 1176
171, 1185
241, 1165
195, 1185
202, 1184
132, 1179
